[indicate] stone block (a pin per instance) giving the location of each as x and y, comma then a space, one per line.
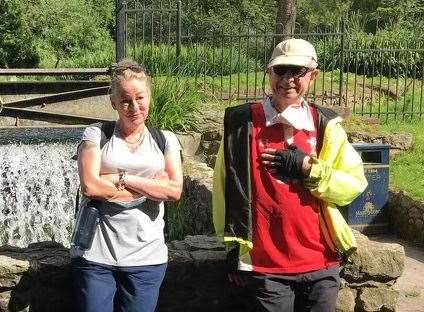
346, 300
212, 135
11, 270
377, 299
203, 242
190, 143
210, 147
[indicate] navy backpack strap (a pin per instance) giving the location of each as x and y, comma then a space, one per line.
159, 137
107, 128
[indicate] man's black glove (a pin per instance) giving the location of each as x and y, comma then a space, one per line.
289, 162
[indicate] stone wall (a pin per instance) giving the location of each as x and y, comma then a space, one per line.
406, 217
38, 278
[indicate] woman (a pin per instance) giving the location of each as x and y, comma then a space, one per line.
131, 176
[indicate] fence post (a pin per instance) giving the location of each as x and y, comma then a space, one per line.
178, 43
342, 55
121, 25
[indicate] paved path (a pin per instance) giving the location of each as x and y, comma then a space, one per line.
411, 283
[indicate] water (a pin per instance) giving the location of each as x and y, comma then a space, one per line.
38, 184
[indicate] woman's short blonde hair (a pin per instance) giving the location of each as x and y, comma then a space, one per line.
128, 69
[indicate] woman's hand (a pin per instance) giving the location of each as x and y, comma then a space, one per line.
164, 185
161, 175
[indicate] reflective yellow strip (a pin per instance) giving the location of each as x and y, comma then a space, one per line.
246, 243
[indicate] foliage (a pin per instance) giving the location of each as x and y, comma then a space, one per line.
365, 55
16, 40
209, 17
174, 104
104, 11
195, 60
102, 56
76, 30
177, 213
323, 13
79, 33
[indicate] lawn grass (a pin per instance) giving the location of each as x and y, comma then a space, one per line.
407, 169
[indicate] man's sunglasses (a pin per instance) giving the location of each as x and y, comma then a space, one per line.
295, 71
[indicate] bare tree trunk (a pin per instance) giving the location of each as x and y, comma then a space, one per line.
286, 18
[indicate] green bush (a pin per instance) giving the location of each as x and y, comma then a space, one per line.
174, 104
370, 54
17, 47
195, 59
160, 59
65, 29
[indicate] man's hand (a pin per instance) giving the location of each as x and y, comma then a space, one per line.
287, 163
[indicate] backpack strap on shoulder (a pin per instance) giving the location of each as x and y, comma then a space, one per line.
159, 137
107, 128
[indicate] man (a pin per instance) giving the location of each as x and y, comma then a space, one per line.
283, 169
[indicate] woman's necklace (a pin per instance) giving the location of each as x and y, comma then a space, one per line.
131, 143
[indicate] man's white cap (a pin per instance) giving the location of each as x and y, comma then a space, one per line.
295, 52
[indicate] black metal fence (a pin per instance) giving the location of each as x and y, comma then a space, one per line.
383, 82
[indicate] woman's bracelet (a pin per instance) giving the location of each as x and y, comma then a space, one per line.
121, 182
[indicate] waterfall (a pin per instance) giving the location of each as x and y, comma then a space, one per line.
38, 185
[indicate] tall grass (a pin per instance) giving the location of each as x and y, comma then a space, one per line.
174, 104
195, 59
177, 215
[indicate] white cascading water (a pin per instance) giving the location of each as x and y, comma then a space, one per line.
37, 192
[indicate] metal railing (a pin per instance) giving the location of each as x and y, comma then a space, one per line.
381, 82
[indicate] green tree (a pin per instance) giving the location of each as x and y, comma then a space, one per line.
17, 47
105, 13
227, 16
66, 28
322, 13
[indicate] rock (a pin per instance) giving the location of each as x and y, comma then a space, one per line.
210, 160
197, 216
402, 141
203, 242
11, 270
4, 301
361, 136
190, 143
378, 299
397, 141
210, 147
41, 277
373, 261
406, 216
208, 256
212, 135
177, 245
346, 300
196, 277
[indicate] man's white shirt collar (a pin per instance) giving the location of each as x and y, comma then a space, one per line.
298, 117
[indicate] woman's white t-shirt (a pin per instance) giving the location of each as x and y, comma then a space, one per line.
129, 234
